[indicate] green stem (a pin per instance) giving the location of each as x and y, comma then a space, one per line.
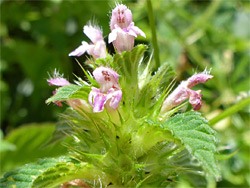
233, 109
153, 31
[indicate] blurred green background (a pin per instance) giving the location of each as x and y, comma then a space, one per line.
37, 36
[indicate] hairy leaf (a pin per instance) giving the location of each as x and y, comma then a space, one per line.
70, 92
195, 134
48, 173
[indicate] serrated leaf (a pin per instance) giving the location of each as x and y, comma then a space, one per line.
70, 92
197, 136
24, 176
48, 173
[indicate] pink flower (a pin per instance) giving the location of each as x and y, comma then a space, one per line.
183, 92
121, 16
109, 92
97, 48
57, 81
123, 31
198, 78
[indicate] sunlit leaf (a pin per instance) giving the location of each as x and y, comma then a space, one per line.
196, 135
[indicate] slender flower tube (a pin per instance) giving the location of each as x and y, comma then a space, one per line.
183, 92
97, 48
123, 30
109, 93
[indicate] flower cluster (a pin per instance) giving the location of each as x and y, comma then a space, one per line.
122, 35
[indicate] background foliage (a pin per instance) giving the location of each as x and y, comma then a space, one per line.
36, 37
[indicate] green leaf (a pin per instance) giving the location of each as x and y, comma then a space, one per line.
29, 141
5, 145
153, 88
48, 173
195, 134
222, 157
70, 92
127, 63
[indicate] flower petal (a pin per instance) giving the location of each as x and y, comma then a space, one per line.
132, 32
93, 33
121, 16
195, 99
58, 82
80, 50
115, 97
124, 42
179, 95
113, 35
106, 77
94, 91
198, 78
98, 50
138, 31
99, 101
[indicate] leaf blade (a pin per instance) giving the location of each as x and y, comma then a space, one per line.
198, 137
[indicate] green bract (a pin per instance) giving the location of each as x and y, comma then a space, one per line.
132, 146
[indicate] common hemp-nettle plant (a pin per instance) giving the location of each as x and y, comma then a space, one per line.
124, 126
